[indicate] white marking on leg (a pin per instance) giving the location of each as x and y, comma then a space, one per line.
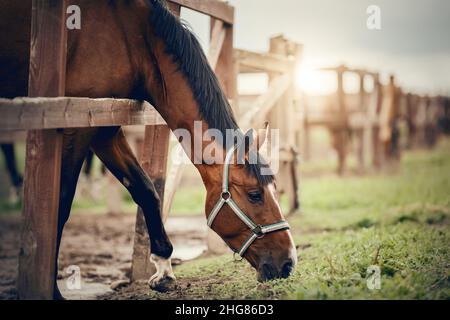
163, 270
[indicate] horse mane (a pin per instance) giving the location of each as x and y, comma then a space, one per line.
185, 50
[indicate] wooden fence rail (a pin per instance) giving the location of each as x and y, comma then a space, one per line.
213, 8
371, 124
65, 112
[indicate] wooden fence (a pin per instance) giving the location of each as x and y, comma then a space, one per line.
370, 123
44, 117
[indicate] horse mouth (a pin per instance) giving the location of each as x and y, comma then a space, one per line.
269, 271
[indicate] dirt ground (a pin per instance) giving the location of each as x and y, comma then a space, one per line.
101, 246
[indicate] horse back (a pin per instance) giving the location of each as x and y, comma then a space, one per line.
15, 26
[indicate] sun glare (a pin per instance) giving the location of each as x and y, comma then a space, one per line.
312, 81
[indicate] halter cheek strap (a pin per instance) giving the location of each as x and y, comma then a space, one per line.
257, 231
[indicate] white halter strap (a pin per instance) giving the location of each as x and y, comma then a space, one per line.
258, 231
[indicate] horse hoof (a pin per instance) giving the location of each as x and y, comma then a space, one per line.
163, 284
58, 296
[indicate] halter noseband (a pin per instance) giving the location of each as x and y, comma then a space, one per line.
258, 231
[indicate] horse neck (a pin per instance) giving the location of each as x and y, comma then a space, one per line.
174, 98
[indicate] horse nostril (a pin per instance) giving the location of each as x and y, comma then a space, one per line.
269, 272
287, 268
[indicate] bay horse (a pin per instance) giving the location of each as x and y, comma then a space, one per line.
138, 49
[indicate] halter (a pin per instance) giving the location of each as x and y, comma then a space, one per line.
258, 231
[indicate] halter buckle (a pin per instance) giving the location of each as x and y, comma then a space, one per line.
258, 231
226, 195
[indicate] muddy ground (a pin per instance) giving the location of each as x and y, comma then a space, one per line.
101, 246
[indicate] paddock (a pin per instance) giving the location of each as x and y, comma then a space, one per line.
388, 132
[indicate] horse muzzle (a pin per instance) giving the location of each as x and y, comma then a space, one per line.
270, 269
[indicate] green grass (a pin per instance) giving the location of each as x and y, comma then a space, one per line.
396, 220
399, 222
413, 260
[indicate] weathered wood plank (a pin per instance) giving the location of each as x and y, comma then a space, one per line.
250, 62
175, 8
214, 8
343, 68
43, 156
218, 34
53, 113
255, 116
224, 68
173, 179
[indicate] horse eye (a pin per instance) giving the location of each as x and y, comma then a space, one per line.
255, 196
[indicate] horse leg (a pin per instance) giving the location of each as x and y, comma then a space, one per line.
87, 170
11, 165
75, 146
111, 147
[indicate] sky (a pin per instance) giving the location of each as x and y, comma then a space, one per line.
413, 43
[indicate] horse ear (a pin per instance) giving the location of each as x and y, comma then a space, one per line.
249, 140
256, 141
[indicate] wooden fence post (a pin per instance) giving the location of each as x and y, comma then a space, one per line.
225, 68
281, 117
305, 132
340, 133
371, 123
154, 161
377, 157
361, 130
43, 155
386, 118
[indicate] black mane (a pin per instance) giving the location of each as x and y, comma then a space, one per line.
186, 51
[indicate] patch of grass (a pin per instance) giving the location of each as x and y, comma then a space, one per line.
413, 262
189, 201
398, 222
10, 208
364, 223
407, 217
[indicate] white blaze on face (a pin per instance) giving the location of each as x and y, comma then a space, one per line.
272, 193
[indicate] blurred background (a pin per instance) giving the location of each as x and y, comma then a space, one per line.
365, 155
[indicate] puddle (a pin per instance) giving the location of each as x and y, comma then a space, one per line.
188, 236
